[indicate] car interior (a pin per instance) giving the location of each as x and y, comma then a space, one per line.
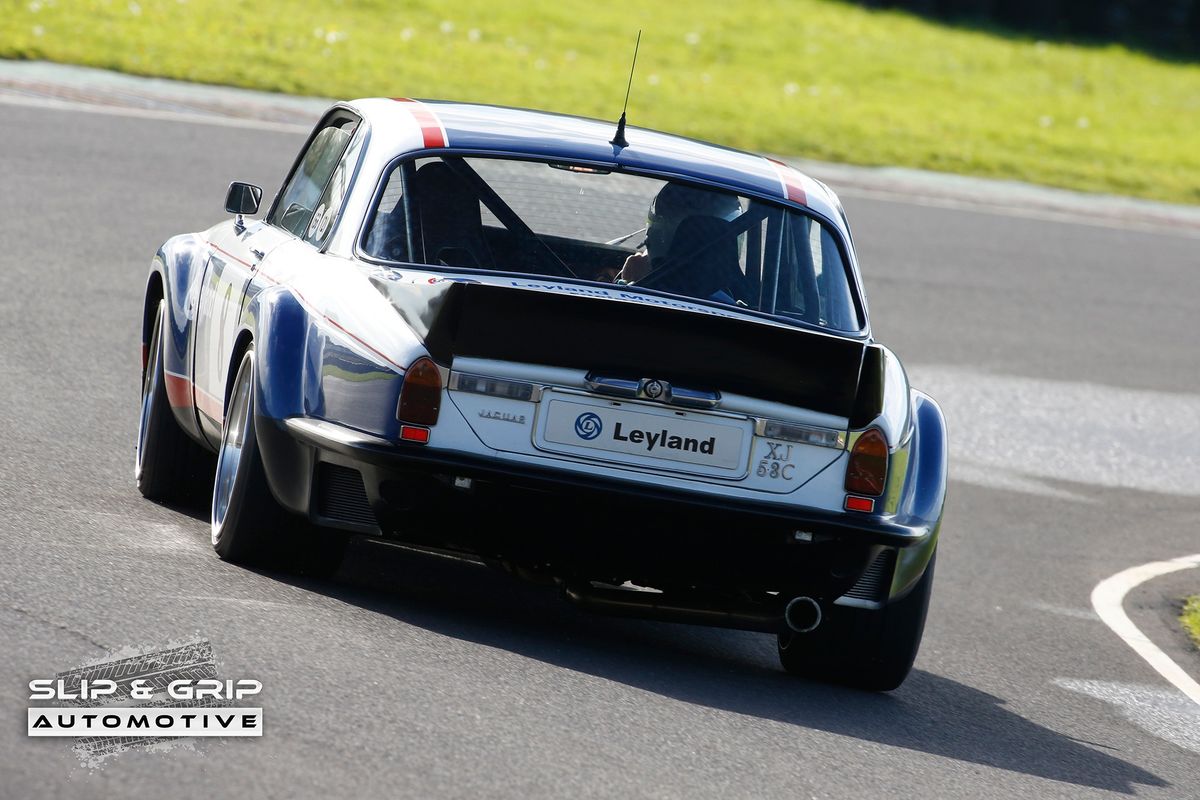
760, 260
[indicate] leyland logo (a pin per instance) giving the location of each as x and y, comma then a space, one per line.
665, 440
588, 426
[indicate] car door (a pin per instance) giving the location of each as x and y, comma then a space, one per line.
301, 211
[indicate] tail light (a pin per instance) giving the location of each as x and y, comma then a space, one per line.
421, 394
867, 473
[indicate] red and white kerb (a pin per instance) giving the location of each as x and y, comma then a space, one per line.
790, 182
432, 131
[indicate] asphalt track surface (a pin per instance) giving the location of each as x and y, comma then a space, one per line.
1066, 356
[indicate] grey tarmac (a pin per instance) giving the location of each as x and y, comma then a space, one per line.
414, 676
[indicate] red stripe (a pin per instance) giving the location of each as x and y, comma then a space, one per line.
431, 130
179, 391
334, 322
793, 187
210, 406
304, 300
228, 254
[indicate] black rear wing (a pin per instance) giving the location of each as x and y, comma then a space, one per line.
636, 339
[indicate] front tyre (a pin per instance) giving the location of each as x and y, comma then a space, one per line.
168, 465
248, 524
871, 650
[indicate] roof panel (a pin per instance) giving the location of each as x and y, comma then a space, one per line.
547, 135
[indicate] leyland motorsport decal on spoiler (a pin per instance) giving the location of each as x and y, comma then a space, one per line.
619, 294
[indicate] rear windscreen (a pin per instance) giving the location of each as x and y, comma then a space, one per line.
614, 227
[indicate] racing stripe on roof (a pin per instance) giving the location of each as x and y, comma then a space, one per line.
432, 130
790, 182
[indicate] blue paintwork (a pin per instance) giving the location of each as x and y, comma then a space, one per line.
279, 326
302, 371
924, 494
179, 261
358, 392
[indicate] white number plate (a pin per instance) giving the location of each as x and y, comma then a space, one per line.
684, 441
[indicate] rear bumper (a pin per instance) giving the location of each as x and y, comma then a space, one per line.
378, 457
717, 561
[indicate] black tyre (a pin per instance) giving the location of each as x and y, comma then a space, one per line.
871, 650
168, 465
248, 524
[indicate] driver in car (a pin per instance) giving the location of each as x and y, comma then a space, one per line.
706, 214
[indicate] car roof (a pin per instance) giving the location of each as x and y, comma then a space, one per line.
401, 125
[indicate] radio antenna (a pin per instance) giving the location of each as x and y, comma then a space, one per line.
619, 140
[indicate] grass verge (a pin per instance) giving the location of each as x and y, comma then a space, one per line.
811, 78
1190, 618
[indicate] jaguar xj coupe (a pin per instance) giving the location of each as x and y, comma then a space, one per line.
635, 367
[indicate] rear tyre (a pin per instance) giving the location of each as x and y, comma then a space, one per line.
248, 525
871, 650
168, 465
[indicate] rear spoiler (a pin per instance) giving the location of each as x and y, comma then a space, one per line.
619, 338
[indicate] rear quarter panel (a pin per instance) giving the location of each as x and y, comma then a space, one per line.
178, 272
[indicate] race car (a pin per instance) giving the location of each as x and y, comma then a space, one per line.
636, 367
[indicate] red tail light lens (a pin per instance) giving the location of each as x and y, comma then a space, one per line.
421, 394
867, 472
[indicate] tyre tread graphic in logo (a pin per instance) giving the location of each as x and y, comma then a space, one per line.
588, 426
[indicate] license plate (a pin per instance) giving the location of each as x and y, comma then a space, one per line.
645, 435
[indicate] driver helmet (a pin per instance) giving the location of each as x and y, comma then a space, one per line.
674, 203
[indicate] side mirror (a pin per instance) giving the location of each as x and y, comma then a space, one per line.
243, 198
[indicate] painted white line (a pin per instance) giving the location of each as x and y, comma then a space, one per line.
149, 113
1108, 598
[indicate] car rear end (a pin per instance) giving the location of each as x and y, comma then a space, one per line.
697, 445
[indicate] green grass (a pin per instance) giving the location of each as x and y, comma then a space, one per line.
1190, 617
807, 78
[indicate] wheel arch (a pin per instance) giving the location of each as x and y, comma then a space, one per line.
924, 495
245, 338
174, 275
153, 296
278, 327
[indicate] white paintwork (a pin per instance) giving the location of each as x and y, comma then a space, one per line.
460, 429
336, 290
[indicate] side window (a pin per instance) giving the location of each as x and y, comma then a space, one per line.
388, 236
296, 209
812, 277
835, 288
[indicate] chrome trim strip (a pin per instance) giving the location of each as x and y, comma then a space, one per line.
456, 384
664, 392
614, 386
802, 434
856, 602
694, 398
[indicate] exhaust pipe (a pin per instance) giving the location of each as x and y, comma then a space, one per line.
648, 605
802, 615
